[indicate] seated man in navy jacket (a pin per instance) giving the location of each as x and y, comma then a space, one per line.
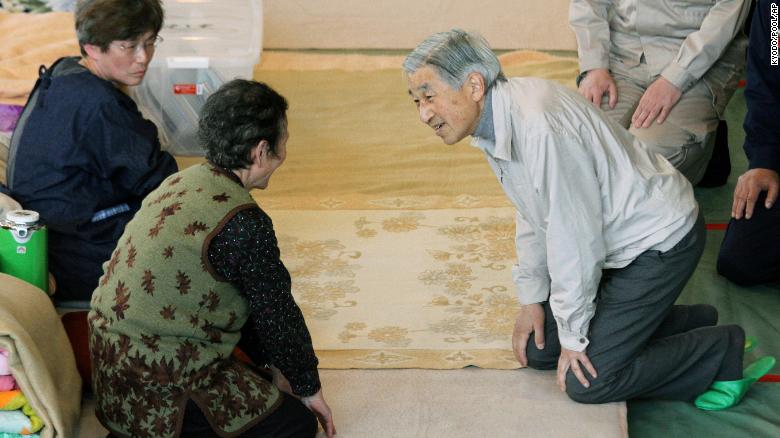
750, 253
82, 155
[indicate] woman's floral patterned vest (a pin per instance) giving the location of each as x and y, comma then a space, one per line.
163, 324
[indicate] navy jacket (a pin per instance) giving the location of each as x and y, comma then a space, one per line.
762, 93
81, 146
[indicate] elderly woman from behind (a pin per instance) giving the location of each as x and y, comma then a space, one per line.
82, 155
196, 273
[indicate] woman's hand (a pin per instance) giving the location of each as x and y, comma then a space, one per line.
316, 403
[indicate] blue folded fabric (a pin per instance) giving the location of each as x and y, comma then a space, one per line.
15, 422
16, 435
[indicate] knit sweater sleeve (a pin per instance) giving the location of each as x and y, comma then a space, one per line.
245, 252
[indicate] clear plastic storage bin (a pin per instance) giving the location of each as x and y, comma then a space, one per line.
206, 43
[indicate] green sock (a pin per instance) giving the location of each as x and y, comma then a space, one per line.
727, 393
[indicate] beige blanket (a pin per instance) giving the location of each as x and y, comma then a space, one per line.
29, 41
40, 358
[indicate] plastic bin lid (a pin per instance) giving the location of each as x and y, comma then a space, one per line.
211, 28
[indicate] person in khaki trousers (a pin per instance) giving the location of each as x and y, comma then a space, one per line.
663, 69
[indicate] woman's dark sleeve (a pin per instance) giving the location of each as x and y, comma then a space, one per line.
246, 253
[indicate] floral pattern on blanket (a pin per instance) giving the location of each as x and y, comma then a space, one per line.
404, 289
323, 273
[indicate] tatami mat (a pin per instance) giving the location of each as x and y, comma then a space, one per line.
466, 403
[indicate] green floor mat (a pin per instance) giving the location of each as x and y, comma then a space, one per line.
755, 416
756, 309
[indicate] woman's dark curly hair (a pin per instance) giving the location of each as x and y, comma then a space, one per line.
99, 22
236, 118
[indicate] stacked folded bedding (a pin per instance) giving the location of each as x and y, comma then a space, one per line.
45, 389
17, 417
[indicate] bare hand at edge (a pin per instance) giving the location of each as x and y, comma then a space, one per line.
530, 318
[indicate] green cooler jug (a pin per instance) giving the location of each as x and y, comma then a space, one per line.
23, 244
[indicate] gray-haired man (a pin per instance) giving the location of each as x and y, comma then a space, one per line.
607, 232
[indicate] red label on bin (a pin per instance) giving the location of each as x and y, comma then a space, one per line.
187, 89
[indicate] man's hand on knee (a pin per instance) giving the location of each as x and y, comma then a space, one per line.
656, 103
530, 318
576, 360
595, 84
749, 185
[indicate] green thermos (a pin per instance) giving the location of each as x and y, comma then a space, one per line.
23, 244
